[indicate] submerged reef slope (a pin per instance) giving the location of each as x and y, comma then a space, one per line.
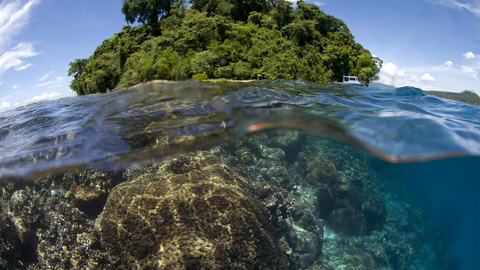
315, 185
280, 200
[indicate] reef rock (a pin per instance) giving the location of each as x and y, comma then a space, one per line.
10, 245
193, 212
306, 245
375, 216
340, 202
288, 141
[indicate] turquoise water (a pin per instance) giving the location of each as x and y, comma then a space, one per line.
450, 188
426, 148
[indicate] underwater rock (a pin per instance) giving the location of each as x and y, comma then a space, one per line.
346, 158
254, 158
244, 156
87, 189
254, 144
320, 173
306, 245
274, 172
288, 141
243, 160
300, 224
346, 221
182, 164
203, 218
53, 218
276, 200
66, 236
375, 216
377, 251
285, 138
359, 258
90, 185
24, 213
10, 244
305, 206
68, 239
136, 171
364, 252
295, 217
339, 201
275, 154
305, 233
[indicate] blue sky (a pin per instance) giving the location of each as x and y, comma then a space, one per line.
430, 44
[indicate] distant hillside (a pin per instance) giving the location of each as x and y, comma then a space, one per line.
466, 96
229, 39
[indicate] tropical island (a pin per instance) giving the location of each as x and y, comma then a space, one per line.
467, 96
229, 39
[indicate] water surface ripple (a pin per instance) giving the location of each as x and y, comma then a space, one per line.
156, 120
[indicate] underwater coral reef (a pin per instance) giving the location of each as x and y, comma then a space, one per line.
280, 200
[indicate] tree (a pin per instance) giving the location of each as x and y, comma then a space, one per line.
269, 37
77, 67
204, 62
144, 11
241, 8
282, 13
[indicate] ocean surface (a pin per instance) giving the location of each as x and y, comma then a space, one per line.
414, 156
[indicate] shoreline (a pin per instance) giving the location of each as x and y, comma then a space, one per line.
466, 96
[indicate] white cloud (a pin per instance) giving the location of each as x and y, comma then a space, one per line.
398, 77
13, 16
391, 75
470, 71
22, 67
45, 76
446, 77
44, 96
427, 78
15, 87
471, 5
413, 77
468, 55
445, 66
13, 58
1, 82
4, 105
53, 83
392, 70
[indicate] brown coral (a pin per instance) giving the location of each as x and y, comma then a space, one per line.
203, 218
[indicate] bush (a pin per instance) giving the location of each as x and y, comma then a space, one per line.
202, 76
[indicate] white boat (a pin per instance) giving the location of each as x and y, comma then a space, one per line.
351, 80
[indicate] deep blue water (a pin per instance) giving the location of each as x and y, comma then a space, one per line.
450, 189
435, 142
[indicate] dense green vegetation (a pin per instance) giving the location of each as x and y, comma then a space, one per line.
466, 96
223, 39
